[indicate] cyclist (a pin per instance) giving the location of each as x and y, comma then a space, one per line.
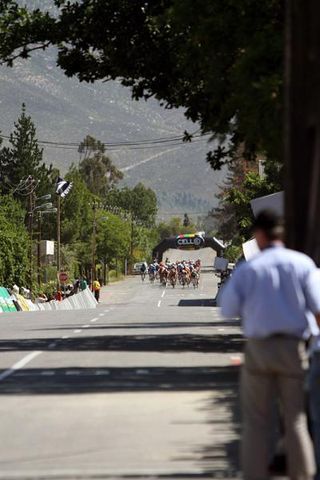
143, 269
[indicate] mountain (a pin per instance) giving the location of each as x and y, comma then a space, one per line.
65, 111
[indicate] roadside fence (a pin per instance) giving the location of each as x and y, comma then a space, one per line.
15, 302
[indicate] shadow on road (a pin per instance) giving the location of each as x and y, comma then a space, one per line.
231, 343
198, 302
148, 325
117, 379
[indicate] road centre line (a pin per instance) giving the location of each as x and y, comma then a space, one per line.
19, 365
77, 331
94, 320
159, 303
163, 293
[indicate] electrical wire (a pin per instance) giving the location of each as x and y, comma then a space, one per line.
130, 145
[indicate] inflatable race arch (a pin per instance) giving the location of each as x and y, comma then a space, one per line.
189, 241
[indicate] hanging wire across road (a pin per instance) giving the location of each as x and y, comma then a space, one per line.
160, 142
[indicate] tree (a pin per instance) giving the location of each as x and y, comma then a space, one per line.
139, 202
172, 228
96, 169
23, 158
113, 238
76, 210
221, 61
14, 243
234, 216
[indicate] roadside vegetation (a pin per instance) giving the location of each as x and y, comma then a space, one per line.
120, 223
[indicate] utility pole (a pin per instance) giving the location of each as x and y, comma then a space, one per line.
94, 242
58, 239
31, 210
131, 244
302, 128
38, 250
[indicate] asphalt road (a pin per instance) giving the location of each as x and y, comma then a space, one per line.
145, 386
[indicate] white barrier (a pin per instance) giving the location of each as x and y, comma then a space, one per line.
80, 301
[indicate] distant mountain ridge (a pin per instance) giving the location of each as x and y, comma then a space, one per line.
65, 110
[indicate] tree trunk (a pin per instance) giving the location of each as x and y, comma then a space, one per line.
302, 189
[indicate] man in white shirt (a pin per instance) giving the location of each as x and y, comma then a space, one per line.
277, 303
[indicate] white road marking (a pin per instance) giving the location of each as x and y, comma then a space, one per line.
221, 329
52, 345
77, 331
142, 372
163, 293
64, 337
102, 372
159, 303
106, 311
85, 326
72, 372
19, 365
94, 320
101, 314
49, 373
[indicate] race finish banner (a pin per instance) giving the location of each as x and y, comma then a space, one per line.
190, 241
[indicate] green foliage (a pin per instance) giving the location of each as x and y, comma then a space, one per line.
220, 60
113, 239
234, 216
95, 168
76, 210
140, 202
14, 243
233, 253
23, 158
174, 227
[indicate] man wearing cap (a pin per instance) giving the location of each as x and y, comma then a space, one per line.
278, 304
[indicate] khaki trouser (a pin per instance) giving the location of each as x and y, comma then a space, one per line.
275, 364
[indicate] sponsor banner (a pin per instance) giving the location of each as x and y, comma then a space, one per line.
190, 241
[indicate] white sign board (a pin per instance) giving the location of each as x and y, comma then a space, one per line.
250, 249
47, 247
274, 202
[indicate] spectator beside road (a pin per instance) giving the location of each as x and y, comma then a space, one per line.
83, 284
277, 302
58, 296
96, 289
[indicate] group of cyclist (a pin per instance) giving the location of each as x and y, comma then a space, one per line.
182, 272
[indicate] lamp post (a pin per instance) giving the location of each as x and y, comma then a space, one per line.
94, 242
34, 208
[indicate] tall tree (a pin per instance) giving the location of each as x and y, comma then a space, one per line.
23, 158
14, 243
96, 168
140, 202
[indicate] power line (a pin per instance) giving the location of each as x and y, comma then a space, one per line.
130, 145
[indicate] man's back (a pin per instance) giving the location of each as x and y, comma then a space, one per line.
270, 293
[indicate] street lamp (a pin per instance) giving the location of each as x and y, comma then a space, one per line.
34, 208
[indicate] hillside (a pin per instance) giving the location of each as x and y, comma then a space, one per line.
65, 110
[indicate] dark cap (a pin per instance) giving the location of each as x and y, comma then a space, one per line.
270, 223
